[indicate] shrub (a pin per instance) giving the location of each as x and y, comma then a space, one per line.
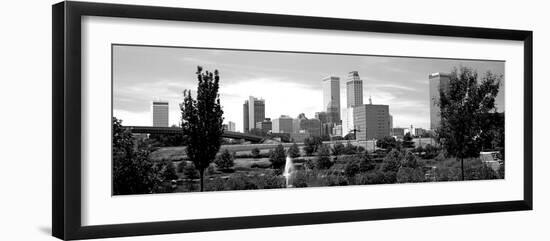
390, 177
338, 149
216, 184
392, 161
335, 180
181, 166
168, 171
225, 160
262, 165
323, 160
408, 174
255, 152
300, 179
240, 182
190, 171
270, 181
310, 164
277, 157
350, 149
311, 144
294, 151
387, 142
409, 160
351, 168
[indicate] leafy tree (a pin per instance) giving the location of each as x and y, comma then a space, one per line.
323, 160
202, 121
277, 157
293, 151
387, 142
366, 164
392, 161
463, 109
255, 152
311, 144
350, 149
133, 172
408, 141
338, 149
225, 161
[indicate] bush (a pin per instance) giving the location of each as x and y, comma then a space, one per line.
277, 157
225, 160
310, 164
190, 171
323, 160
338, 149
262, 165
181, 166
255, 152
300, 179
387, 142
294, 151
350, 149
240, 182
311, 144
392, 161
216, 184
390, 177
168, 171
410, 161
335, 180
408, 174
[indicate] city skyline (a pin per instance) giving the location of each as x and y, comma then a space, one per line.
141, 74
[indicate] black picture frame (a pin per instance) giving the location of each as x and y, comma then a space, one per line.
66, 122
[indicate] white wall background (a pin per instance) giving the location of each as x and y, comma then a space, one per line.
25, 99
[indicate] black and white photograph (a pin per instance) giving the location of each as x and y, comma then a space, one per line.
190, 119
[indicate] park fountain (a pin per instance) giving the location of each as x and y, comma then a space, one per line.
288, 169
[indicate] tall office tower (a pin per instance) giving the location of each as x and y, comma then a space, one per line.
354, 89
331, 98
391, 122
253, 112
438, 82
283, 124
371, 121
160, 113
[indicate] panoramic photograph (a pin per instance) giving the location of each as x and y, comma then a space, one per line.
188, 119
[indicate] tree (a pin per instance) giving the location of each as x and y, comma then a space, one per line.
392, 161
387, 142
202, 121
463, 109
225, 160
408, 141
293, 151
277, 157
323, 160
311, 144
133, 172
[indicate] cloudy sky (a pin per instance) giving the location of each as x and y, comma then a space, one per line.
290, 83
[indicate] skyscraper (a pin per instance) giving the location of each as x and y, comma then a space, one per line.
331, 98
283, 124
253, 112
354, 90
438, 82
160, 113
